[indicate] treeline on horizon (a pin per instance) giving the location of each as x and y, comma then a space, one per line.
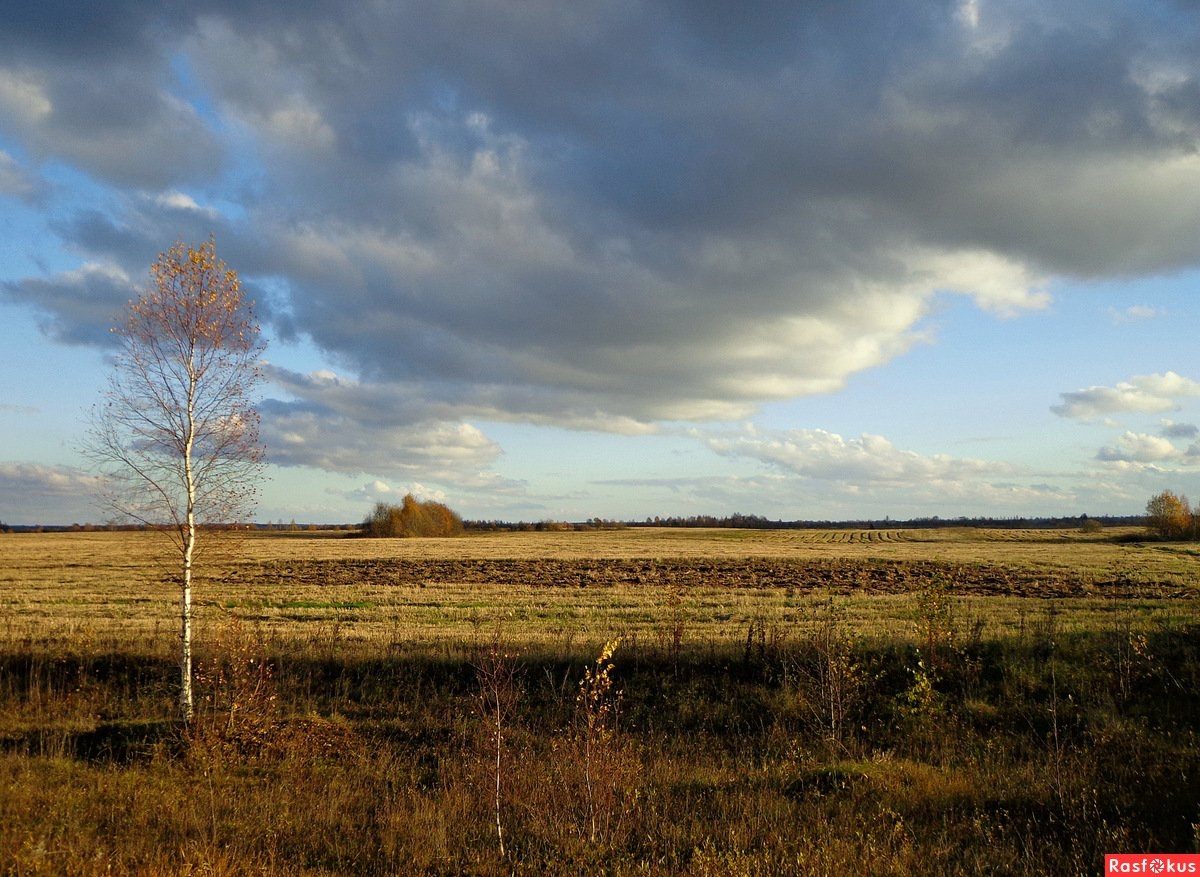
734, 521
758, 522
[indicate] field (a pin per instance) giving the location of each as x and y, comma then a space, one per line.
833, 701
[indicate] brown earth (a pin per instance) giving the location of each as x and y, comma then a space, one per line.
838, 575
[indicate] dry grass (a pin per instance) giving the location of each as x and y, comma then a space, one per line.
555, 586
968, 703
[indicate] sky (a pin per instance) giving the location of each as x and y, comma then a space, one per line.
547, 260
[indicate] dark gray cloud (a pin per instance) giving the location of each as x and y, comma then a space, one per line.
341, 426
301, 435
1171, 429
118, 122
611, 214
79, 306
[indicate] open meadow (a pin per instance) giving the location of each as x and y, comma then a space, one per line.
802, 701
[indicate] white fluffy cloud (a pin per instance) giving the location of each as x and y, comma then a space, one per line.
813, 465
1141, 394
173, 200
381, 491
867, 460
1137, 447
1141, 452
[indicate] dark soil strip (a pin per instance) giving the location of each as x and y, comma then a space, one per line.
840, 575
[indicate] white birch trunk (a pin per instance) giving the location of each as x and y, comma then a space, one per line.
185, 633
186, 705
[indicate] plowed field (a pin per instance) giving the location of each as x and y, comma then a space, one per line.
837, 575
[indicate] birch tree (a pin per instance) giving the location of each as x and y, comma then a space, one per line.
176, 436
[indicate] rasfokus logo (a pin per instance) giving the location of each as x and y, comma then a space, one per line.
1152, 863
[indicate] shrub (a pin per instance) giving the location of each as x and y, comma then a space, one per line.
1169, 515
412, 518
829, 680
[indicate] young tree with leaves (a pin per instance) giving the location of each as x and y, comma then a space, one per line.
176, 436
1169, 515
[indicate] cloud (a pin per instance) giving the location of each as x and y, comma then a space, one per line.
299, 434
782, 495
1141, 394
1171, 429
23, 97
1134, 314
41, 493
614, 215
1136, 447
815, 474
172, 200
15, 180
45, 480
1135, 453
409, 402
79, 306
869, 460
340, 425
381, 491
871, 469
110, 113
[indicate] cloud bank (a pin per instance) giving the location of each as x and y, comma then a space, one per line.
871, 468
40, 493
607, 216
869, 459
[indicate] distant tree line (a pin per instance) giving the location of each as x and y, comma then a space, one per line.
496, 526
134, 528
757, 522
1166, 519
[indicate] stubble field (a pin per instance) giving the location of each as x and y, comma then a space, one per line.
893, 701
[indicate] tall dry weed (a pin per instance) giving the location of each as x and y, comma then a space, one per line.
498, 676
828, 678
595, 767
1128, 658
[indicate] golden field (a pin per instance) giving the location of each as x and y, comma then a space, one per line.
900, 702
545, 586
